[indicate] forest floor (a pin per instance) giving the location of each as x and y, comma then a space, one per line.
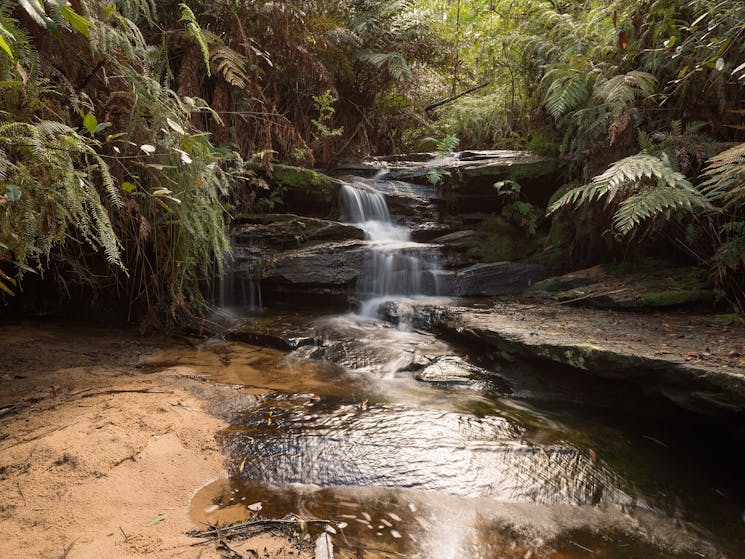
100, 457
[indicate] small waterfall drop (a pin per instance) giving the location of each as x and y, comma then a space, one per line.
240, 285
394, 265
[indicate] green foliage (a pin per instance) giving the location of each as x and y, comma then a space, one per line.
637, 188
520, 212
192, 26
43, 214
324, 104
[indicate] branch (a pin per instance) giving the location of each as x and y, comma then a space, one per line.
452, 98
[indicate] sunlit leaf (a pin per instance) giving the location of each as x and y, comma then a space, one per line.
147, 148
185, 157
78, 22
175, 126
157, 520
90, 122
35, 9
128, 187
4, 44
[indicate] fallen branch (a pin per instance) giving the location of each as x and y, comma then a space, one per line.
452, 98
574, 300
589, 295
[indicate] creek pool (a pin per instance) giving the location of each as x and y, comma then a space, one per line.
416, 448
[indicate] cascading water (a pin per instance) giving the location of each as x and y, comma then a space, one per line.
394, 265
240, 285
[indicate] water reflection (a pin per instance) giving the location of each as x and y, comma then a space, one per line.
377, 523
345, 427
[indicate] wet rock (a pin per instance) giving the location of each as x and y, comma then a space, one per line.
287, 231
622, 346
451, 370
413, 205
497, 278
468, 182
325, 269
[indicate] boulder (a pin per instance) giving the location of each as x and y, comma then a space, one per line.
450, 370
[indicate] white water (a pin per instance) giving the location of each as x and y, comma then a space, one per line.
394, 266
240, 285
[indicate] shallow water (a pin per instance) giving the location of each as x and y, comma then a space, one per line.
486, 465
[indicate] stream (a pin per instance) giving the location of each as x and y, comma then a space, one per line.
415, 447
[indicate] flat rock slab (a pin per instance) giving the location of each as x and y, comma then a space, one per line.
688, 359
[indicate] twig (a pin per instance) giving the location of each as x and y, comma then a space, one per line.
452, 98
68, 549
582, 547
126, 537
588, 295
18, 483
40, 435
251, 523
574, 300
127, 391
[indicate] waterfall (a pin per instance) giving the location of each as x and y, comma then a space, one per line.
394, 265
240, 285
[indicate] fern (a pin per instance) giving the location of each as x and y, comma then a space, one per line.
725, 178
642, 187
231, 65
392, 62
566, 92
53, 154
620, 92
192, 25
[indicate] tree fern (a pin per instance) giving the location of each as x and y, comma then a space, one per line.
639, 187
231, 65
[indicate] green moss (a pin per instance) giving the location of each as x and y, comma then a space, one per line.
504, 241
676, 298
298, 177
731, 319
427, 144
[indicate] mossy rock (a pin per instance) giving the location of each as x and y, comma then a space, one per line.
503, 241
678, 298
305, 191
730, 319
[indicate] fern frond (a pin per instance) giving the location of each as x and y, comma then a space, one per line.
725, 177
620, 92
393, 62
652, 202
566, 92
192, 25
643, 186
231, 65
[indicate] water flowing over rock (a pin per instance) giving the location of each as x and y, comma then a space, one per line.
393, 265
470, 175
